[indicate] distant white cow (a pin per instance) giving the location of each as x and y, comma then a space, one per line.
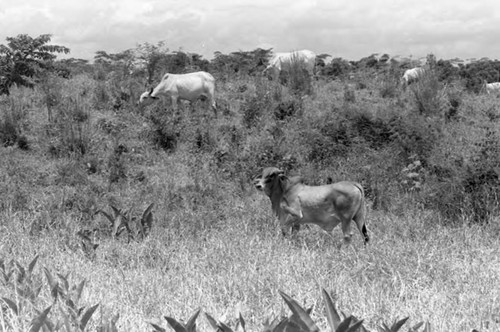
492, 87
412, 75
279, 61
191, 87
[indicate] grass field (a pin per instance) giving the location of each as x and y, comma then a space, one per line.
214, 243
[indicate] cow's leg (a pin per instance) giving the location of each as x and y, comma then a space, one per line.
289, 223
359, 219
346, 229
213, 105
174, 101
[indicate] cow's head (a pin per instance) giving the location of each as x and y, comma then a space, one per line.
146, 97
266, 182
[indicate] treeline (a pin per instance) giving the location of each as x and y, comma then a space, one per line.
25, 60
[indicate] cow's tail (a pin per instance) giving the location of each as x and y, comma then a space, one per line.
360, 215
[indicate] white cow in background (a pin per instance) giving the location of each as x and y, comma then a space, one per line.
412, 75
492, 87
191, 87
279, 61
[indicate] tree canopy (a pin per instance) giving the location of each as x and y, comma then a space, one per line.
24, 57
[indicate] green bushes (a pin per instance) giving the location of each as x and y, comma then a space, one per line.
296, 77
429, 95
391, 80
471, 192
12, 121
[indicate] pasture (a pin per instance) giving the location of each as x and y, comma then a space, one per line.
434, 251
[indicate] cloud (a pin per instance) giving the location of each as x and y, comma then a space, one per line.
346, 28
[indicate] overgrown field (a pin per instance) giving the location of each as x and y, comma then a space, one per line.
74, 149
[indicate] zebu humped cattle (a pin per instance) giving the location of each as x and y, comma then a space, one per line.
296, 203
412, 75
280, 61
492, 87
190, 87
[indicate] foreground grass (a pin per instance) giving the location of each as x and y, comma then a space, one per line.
447, 276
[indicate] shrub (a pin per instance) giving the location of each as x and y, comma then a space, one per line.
469, 192
454, 101
296, 77
70, 134
375, 131
287, 108
349, 94
429, 95
330, 138
414, 136
8, 132
165, 129
338, 67
482, 179
253, 111
14, 113
390, 83
116, 163
52, 88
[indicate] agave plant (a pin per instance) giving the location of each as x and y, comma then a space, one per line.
124, 220
190, 326
221, 327
87, 244
301, 321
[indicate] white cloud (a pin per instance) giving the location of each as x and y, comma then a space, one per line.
347, 28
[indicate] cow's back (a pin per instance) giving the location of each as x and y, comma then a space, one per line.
192, 85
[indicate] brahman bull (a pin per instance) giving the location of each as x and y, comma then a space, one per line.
296, 203
279, 61
412, 75
492, 87
189, 87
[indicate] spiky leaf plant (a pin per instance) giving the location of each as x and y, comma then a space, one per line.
221, 327
190, 325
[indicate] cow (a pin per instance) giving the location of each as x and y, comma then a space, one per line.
492, 87
279, 62
295, 203
189, 87
412, 75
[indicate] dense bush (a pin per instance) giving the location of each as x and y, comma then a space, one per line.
429, 95
296, 77
476, 73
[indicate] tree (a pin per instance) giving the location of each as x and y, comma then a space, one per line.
23, 58
240, 62
153, 58
337, 67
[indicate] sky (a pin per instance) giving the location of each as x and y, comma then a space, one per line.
351, 29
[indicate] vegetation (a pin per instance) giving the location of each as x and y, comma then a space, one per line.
134, 213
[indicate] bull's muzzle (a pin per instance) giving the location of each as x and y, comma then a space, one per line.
258, 185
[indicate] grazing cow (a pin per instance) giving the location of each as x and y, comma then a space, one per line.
296, 203
279, 61
492, 87
412, 75
189, 87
